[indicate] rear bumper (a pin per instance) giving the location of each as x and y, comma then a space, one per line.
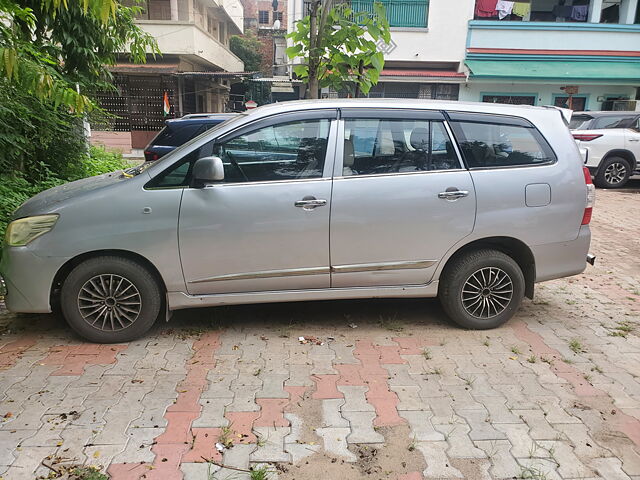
563, 259
28, 279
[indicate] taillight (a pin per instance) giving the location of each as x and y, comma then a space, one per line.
150, 156
591, 197
586, 137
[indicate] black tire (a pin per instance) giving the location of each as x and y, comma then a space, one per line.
614, 172
460, 273
129, 309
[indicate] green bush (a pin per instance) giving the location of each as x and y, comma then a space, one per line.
16, 189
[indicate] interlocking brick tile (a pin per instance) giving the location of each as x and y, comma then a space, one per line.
273, 386
326, 387
204, 441
355, 399
335, 443
503, 463
438, 464
10, 352
271, 445
272, 412
241, 424
421, 427
73, 359
331, 416
362, 431
296, 394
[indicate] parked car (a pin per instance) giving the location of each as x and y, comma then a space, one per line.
611, 142
473, 203
180, 130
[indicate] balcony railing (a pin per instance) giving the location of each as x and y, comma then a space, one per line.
400, 13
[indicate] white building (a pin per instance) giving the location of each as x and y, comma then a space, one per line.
537, 53
195, 70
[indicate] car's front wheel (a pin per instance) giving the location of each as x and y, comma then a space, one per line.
614, 172
481, 289
110, 299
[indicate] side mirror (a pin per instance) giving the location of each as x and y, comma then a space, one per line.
208, 170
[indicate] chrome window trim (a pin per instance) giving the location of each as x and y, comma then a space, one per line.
394, 174
263, 182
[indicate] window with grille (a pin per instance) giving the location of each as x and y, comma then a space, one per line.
277, 16
263, 16
400, 13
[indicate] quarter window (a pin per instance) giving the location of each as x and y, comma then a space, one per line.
396, 146
613, 121
499, 145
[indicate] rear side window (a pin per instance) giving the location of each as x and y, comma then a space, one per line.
383, 146
175, 136
487, 145
580, 122
613, 121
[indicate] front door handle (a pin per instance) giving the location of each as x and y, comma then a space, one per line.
453, 194
634, 139
309, 203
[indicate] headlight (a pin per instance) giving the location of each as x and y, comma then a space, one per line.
22, 231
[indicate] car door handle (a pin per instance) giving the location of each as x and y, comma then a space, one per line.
453, 194
634, 139
309, 203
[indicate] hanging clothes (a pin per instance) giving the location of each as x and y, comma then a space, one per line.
579, 13
486, 8
521, 9
504, 8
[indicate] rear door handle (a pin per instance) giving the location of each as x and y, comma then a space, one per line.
309, 203
453, 194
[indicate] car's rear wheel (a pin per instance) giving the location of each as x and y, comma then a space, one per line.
110, 299
481, 289
614, 172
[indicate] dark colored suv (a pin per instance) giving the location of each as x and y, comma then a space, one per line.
180, 130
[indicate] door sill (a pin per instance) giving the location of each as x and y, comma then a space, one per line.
181, 300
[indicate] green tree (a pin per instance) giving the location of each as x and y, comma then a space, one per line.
248, 49
338, 46
54, 56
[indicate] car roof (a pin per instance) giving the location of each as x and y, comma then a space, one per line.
200, 118
607, 113
412, 103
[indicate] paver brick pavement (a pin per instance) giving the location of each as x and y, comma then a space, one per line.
553, 393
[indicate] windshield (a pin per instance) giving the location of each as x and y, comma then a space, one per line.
580, 122
179, 151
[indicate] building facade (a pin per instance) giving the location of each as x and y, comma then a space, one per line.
194, 73
584, 54
581, 54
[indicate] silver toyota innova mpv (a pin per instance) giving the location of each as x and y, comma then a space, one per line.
314, 200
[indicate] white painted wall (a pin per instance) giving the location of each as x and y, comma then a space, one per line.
472, 91
554, 39
444, 40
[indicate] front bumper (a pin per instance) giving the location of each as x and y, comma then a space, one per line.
28, 278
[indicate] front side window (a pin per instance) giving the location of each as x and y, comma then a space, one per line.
284, 151
499, 145
380, 146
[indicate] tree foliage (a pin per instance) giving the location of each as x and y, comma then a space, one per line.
60, 50
248, 49
54, 56
339, 47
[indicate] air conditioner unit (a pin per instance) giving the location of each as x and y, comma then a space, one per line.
619, 105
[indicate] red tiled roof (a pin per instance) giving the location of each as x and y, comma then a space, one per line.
394, 72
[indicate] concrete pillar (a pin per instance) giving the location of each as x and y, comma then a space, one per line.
174, 10
628, 11
595, 11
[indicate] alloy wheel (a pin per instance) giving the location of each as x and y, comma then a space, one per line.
109, 302
487, 292
615, 173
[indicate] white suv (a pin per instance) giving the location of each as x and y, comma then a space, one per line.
611, 141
